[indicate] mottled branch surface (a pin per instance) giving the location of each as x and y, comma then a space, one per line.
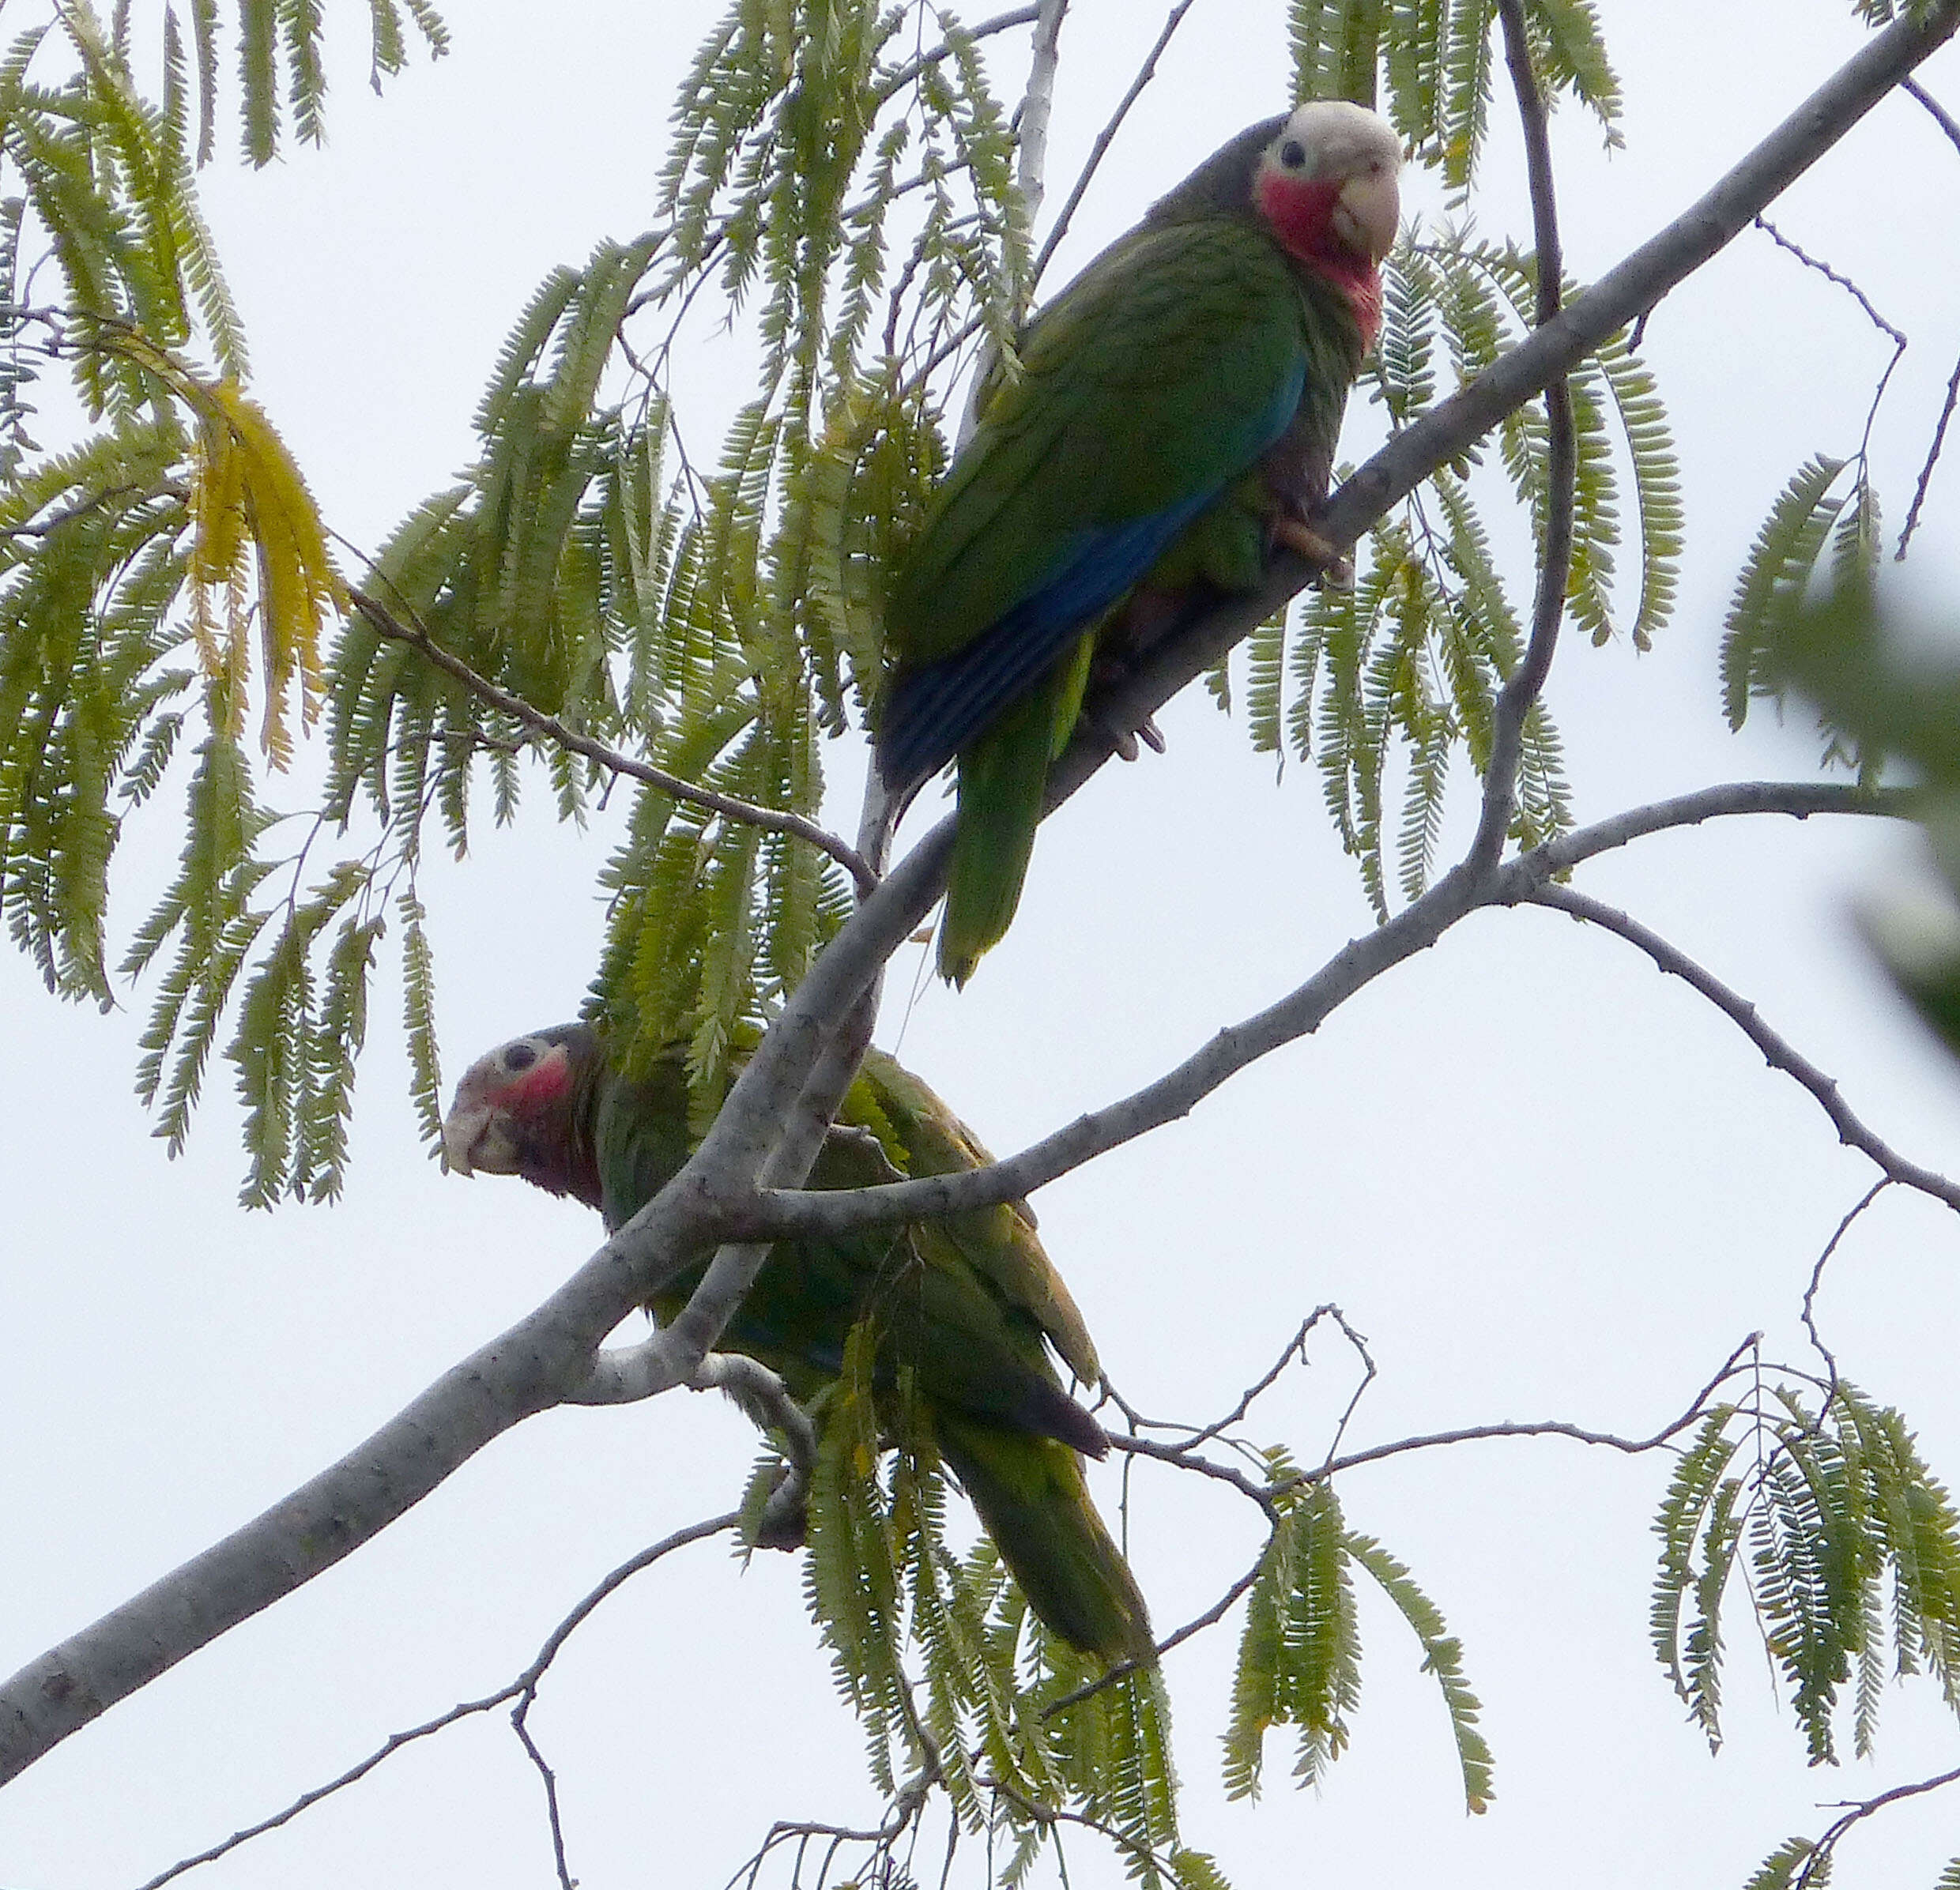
547, 1357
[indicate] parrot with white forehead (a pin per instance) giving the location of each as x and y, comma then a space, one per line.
968, 1308
1172, 424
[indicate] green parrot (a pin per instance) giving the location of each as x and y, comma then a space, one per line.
1172, 420
969, 1303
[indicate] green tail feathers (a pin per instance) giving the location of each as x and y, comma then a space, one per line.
1003, 782
1030, 1493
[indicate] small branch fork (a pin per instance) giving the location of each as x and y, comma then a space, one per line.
799, 1073
1818, 1861
522, 1690
1268, 1493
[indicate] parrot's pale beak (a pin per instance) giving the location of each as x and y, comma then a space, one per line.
477, 1140
1368, 212
458, 1131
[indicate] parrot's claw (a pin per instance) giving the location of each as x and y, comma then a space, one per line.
1337, 573
785, 1517
1124, 740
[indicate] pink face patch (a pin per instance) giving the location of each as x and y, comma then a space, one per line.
537, 1088
1300, 211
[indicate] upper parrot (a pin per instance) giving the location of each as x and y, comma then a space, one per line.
1173, 419
968, 1303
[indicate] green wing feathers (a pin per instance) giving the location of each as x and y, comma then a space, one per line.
967, 1306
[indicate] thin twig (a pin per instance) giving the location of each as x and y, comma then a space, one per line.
1831, 275
903, 75
1933, 459
1526, 683
520, 1715
1817, 1280
1100, 149
1820, 1853
772, 820
524, 1686
1777, 1050
1941, 116
1896, 336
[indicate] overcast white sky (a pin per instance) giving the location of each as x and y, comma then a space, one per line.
1543, 1180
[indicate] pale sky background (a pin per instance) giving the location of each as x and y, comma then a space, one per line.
1545, 1181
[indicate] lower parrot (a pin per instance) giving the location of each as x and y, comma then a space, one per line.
1172, 421
970, 1304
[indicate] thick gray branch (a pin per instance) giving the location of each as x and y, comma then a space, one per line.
1174, 1095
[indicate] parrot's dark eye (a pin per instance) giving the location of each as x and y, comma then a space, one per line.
520, 1056
1293, 154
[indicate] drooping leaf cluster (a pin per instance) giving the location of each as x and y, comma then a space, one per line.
1380, 685
1822, 532
1299, 1653
1849, 1548
1427, 65
953, 1681
1842, 648
155, 576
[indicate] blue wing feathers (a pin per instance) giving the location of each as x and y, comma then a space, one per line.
934, 711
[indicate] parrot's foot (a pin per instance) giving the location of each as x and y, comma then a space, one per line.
865, 1141
785, 1517
1337, 573
1124, 740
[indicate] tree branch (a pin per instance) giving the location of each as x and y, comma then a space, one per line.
771, 819
1776, 1051
1815, 1864
1523, 686
524, 1686
1106, 136
1174, 1095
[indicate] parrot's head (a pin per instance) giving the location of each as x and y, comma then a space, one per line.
1326, 186
516, 1112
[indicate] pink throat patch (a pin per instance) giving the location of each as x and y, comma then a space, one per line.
1300, 212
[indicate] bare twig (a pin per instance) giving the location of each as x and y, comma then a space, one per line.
772, 820
1001, 23
524, 1687
1817, 1281
1526, 683
1831, 275
1100, 149
1038, 104
1941, 116
1777, 1050
1819, 1857
1933, 459
1895, 336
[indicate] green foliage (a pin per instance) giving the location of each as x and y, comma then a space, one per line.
1819, 508
1300, 1653
953, 1681
1833, 1521
1888, 705
1796, 1861
1427, 64
1384, 683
